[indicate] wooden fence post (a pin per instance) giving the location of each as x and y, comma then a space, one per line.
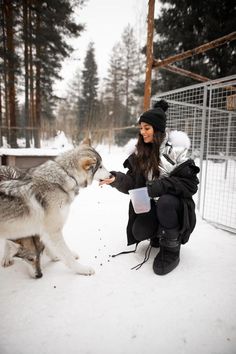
149, 55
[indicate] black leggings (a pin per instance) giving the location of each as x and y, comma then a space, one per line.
164, 212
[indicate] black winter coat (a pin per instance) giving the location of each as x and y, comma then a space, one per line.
182, 182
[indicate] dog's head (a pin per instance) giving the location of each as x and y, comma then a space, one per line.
83, 164
90, 166
29, 249
95, 168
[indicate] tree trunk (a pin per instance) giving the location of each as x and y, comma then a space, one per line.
11, 71
149, 56
38, 87
1, 123
5, 80
26, 63
32, 120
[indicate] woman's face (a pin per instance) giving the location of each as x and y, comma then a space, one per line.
147, 132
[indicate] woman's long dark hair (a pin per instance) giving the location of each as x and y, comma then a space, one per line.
148, 154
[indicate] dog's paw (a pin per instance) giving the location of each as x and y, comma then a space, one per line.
55, 259
51, 255
84, 270
76, 256
7, 262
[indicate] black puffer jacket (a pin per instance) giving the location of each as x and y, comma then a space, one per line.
182, 182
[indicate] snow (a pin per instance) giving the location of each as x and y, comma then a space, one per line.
118, 310
51, 147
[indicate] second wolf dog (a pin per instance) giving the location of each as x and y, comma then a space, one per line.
28, 249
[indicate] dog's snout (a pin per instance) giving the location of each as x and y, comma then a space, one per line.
38, 275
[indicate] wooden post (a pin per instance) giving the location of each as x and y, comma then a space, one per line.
149, 55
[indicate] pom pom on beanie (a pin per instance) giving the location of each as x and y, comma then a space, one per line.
156, 116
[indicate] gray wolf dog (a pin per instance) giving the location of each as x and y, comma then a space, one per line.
38, 203
29, 249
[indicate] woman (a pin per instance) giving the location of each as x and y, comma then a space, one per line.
160, 162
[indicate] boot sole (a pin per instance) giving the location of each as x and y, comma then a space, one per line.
165, 270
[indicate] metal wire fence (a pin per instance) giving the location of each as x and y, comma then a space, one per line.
207, 113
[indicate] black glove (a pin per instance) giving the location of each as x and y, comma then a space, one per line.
154, 188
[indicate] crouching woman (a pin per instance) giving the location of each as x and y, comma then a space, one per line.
160, 162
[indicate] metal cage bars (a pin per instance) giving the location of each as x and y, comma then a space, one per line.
207, 113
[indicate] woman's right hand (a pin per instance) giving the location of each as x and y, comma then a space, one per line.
107, 181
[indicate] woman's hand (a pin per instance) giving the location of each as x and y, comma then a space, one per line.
107, 181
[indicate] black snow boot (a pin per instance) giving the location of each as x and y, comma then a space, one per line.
168, 257
155, 242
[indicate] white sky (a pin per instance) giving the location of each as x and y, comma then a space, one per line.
105, 21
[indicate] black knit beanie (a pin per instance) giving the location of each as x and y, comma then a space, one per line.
156, 116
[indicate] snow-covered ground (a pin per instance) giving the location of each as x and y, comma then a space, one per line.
118, 310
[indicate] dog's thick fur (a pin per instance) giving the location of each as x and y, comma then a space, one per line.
38, 204
29, 249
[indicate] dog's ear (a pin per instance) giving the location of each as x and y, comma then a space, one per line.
38, 244
86, 141
14, 246
87, 163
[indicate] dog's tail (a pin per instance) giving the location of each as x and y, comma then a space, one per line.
10, 172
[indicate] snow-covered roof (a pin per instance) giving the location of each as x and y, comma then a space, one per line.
29, 152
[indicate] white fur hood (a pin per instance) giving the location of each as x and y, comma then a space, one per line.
178, 138
173, 150
175, 138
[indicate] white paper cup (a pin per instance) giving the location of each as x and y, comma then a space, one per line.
140, 200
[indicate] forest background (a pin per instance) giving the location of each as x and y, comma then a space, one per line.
34, 43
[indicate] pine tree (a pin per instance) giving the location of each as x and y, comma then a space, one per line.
10, 64
53, 23
114, 89
121, 100
123, 75
39, 30
129, 62
88, 102
184, 25
69, 109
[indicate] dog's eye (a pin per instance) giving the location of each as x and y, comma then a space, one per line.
30, 259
